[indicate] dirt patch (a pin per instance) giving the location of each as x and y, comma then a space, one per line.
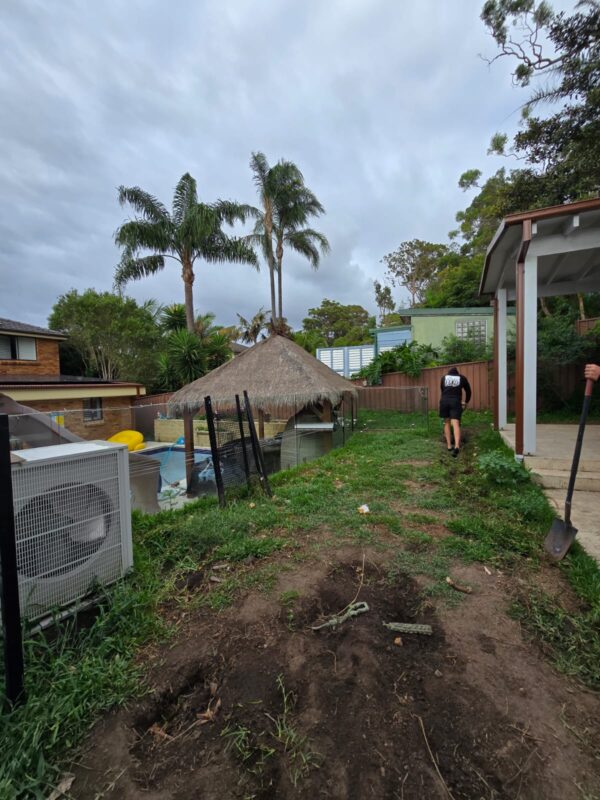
253, 703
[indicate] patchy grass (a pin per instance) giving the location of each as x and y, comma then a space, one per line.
493, 514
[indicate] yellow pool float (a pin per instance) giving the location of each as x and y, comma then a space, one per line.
133, 439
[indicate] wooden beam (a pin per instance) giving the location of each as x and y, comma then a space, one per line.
520, 354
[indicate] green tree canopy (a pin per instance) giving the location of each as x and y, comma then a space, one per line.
559, 53
115, 337
338, 324
413, 265
309, 341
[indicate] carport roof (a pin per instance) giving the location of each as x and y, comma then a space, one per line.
566, 241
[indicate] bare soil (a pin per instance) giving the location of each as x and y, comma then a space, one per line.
253, 703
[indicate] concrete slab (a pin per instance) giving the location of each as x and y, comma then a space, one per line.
585, 516
555, 447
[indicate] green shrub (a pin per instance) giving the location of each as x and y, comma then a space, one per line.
409, 358
501, 469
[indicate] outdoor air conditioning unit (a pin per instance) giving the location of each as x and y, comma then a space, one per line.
72, 522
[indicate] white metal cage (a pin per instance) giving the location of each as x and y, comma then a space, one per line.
72, 521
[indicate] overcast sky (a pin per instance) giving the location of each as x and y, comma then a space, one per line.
382, 104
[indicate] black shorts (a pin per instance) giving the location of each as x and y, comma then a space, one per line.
450, 409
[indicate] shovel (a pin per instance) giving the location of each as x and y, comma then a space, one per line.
562, 533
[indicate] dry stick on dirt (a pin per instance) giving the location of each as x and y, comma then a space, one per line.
354, 599
463, 589
445, 785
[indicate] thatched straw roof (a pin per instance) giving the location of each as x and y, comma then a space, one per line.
277, 374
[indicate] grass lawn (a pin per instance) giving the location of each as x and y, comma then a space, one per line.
430, 515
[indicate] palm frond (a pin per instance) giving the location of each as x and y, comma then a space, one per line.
132, 269
199, 225
260, 167
144, 203
231, 212
224, 248
185, 197
140, 234
307, 243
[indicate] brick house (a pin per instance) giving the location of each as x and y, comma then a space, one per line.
30, 374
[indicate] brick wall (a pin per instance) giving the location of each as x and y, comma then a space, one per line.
47, 361
116, 416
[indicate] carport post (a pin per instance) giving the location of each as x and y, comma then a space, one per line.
500, 361
521, 333
530, 355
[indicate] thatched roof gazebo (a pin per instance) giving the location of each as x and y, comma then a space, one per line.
281, 379
278, 375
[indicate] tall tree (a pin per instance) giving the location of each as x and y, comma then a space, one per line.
286, 206
383, 299
191, 231
558, 53
413, 265
338, 324
250, 330
116, 338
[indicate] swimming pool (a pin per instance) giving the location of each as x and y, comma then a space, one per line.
172, 462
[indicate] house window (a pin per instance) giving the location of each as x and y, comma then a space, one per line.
474, 330
92, 409
17, 348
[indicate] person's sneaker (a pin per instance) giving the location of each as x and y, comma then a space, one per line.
455, 452
451, 450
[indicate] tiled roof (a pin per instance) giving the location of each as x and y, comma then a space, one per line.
11, 326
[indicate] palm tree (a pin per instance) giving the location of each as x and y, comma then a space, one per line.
250, 330
286, 205
191, 231
300, 204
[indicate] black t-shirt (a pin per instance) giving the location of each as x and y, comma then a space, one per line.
452, 386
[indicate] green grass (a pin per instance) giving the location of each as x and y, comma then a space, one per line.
493, 514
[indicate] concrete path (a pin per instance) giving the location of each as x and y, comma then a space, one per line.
551, 466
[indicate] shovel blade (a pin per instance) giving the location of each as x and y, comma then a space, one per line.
559, 539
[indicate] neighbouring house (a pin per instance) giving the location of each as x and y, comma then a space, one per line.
432, 325
30, 373
427, 326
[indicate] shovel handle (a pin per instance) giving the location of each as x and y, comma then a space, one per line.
587, 399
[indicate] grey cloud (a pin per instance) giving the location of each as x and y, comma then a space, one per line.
381, 104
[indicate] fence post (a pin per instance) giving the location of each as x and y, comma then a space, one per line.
243, 439
9, 583
258, 459
214, 447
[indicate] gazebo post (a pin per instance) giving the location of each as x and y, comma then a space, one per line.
261, 424
500, 361
188, 435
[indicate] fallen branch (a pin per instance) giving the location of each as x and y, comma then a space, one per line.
354, 609
458, 587
408, 627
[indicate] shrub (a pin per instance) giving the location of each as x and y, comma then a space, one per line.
501, 469
408, 358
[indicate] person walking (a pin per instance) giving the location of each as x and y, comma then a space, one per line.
452, 406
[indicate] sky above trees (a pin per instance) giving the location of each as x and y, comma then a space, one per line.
382, 106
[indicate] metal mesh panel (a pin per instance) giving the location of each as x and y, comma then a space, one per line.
68, 528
